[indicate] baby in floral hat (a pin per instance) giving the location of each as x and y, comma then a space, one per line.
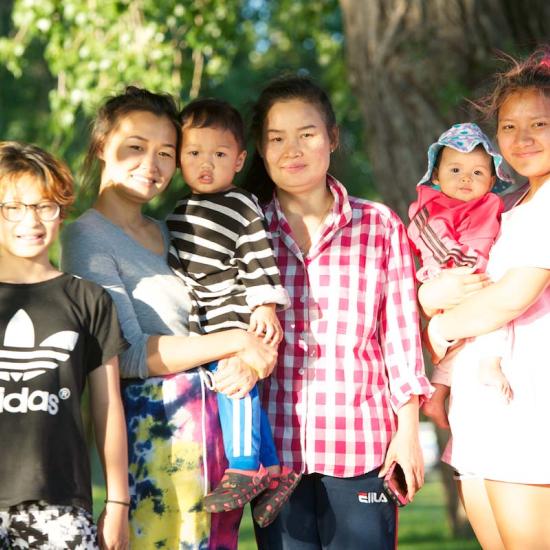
454, 223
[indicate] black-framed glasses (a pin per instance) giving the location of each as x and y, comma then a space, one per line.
47, 211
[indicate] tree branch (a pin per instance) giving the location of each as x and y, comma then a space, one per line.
198, 60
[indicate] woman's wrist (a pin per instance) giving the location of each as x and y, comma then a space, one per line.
226, 343
238, 340
118, 501
407, 415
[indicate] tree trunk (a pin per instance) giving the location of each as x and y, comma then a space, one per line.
411, 63
6, 7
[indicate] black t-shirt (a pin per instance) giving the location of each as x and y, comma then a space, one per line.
52, 335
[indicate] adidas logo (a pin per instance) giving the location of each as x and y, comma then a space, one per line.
371, 498
21, 360
25, 401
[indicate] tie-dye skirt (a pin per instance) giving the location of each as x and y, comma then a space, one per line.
166, 418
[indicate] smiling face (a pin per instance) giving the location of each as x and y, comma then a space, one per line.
30, 237
210, 158
139, 156
464, 176
296, 146
524, 134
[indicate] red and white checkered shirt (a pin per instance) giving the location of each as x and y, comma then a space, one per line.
351, 354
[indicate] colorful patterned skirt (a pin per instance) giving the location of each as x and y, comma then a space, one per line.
166, 418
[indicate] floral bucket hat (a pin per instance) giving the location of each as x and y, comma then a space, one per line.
465, 138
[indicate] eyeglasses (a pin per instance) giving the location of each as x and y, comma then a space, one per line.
46, 211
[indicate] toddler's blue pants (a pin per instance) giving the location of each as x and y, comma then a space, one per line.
247, 437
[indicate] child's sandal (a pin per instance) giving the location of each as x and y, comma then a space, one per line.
235, 490
267, 506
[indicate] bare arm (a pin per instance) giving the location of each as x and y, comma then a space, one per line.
169, 354
153, 354
495, 305
110, 433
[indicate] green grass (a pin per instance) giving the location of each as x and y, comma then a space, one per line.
423, 525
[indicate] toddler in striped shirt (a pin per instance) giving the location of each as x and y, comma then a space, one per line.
221, 250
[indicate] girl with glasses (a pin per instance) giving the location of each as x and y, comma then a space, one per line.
56, 332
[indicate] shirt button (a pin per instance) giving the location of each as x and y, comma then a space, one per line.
301, 372
303, 299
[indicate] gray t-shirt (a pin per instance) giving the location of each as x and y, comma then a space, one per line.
149, 298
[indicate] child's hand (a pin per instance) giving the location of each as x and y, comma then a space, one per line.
113, 531
264, 323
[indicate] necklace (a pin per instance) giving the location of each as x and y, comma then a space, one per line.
305, 244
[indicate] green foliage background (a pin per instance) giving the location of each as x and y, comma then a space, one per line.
59, 59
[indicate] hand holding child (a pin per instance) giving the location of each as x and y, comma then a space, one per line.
450, 288
265, 325
234, 377
257, 354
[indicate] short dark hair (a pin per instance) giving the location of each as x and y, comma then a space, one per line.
214, 113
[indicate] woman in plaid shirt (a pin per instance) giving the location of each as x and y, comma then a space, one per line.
343, 399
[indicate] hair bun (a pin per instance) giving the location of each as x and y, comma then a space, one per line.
132, 90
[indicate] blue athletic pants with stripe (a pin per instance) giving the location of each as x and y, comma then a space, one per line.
247, 436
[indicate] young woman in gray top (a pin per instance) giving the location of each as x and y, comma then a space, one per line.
175, 445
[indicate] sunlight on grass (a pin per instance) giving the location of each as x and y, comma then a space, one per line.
422, 525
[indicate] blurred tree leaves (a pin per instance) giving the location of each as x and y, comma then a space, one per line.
60, 58
92, 48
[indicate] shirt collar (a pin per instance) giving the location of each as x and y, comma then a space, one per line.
340, 215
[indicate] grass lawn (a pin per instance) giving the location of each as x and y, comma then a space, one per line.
422, 525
